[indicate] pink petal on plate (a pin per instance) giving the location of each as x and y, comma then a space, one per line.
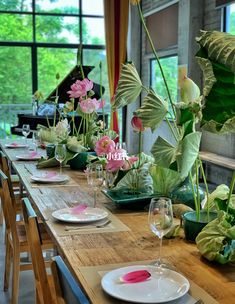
78, 209
33, 154
14, 144
50, 174
135, 276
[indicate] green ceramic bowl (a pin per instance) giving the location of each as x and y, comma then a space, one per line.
192, 227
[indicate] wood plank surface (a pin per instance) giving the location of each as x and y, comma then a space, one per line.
137, 244
217, 159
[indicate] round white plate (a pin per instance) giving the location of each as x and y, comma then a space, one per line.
28, 157
46, 178
12, 146
86, 216
158, 289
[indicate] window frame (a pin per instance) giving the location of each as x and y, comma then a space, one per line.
34, 45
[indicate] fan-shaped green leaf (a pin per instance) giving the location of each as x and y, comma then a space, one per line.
163, 152
189, 148
209, 77
153, 110
129, 86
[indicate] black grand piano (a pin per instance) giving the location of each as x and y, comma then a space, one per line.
61, 90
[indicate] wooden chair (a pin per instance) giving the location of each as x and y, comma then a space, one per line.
16, 240
67, 289
45, 291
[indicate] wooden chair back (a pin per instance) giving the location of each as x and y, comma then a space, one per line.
68, 291
43, 292
8, 211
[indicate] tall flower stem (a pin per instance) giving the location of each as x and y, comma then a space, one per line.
194, 197
101, 95
206, 185
156, 56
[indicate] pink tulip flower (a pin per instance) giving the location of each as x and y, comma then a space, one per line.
137, 124
89, 105
80, 88
104, 146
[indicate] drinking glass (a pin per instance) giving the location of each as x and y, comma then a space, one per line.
26, 132
95, 178
160, 220
60, 154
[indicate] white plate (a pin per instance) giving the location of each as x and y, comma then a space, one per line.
158, 289
46, 178
86, 216
12, 146
28, 157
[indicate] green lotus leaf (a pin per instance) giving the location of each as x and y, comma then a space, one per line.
209, 77
52, 162
215, 127
164, 180
153, 110
129, 86
163, 152
188, 148
219, 46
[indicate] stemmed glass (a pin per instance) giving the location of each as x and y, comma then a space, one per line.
60, 154
26, 132
160, 220
95, 178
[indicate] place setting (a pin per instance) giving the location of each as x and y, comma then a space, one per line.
28, 156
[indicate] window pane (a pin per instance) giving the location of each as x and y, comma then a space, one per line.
93, 31
15, 27
16, 85
92, 7
58, 6
170, 68
50, 62
93, 58
57, 29
230, 19
16, 5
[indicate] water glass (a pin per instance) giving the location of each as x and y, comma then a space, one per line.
160, 220
60, 154
26, 131
95, 178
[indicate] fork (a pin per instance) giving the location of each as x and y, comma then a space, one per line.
101, 225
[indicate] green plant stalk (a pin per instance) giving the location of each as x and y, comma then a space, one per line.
160, 66
197, 185
101, 95
206, 185
155, 54
231, 190
48, 123
79, 128
194, 197
139, 162
172, 130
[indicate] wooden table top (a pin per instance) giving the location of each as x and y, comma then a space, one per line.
138, 244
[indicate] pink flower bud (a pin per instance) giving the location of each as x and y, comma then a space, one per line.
137, 125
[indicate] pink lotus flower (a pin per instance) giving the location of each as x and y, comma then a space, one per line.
116, 159
101, 104
89, 105
129, 162
104, 146
137, 124
80, 88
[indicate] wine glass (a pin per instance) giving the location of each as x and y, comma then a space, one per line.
26, 132
60, 154
160, 220
95, 178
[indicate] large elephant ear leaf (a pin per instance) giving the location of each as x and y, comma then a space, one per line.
164, 180
153, 110
209, 77
189, 148
164, 153
220, 47
129, 86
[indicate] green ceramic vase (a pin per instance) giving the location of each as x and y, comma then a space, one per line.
79, 162
192, 227
184, 195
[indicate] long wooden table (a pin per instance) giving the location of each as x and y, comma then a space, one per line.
138, 244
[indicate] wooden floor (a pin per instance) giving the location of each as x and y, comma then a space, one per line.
26, 294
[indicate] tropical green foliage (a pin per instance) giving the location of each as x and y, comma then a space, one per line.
216, 58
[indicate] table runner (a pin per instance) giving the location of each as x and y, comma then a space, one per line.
93, 274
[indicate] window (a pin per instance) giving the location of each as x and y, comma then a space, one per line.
40, 38
170, 68
230, 19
